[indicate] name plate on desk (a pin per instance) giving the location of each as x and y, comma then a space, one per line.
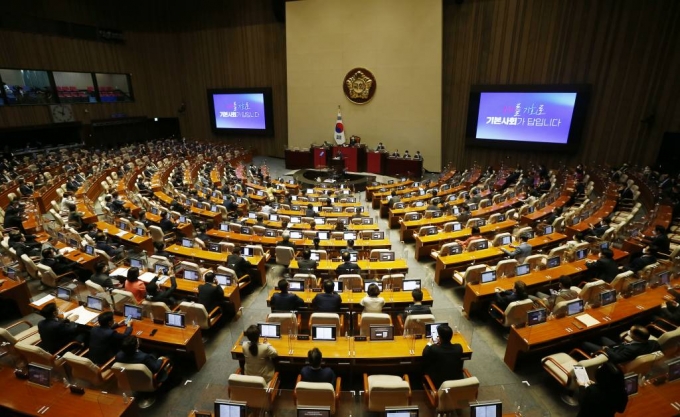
360, 338
357, 290
303, 337
316, 289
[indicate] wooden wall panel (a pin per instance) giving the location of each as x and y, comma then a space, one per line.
149, 57
626, 49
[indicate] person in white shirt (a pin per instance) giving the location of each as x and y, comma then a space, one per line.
258, 356
372, 303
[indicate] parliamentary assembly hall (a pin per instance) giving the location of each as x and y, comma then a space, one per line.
340, 208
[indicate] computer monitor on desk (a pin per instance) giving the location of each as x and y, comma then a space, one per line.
386, 256
349, 236
431, 330
537, 316
522, 270
486, 409
574, 307
553, 262
187, 243
630, 382
214, 247
581, 254
224, 408
637, 287
270, 330
63, 293
410, 411
95, 303
607, 297
135, 312
548, 230
381, 332
296, 285
223, 280
162, 269
175, 319
294, 234
410, 284
368, 284
190, 275
674, 370
488, 276
136, 263
246, 251
325, 332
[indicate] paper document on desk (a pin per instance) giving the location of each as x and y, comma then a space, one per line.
588, 320
84, 316
147, 277
64, 251
46, 299
119, 272
121, 233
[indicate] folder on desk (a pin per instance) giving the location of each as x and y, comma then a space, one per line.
147, 277
46, 299
119, 272
121, 233
84, 316
588, 320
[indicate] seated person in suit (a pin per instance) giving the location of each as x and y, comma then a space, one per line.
648, 257
505, 297
314, 372
134, 285
285, 301
607, 396
372, 302
103, 245
464, 214
395, 154
564, 293
55, 333
159, 250
347, 267
130, 353
61, 265
407, 155
418, 156
155, 294
101, 276
394, 198
671, 309
24, 189
327, 301
211, 295
522, 251
597, 231
285, 240
75, 219
259, 357
626, 351
307, 265
105, 341
309, 212
605, 268
417, 307
660, 239
201, 233
238, 263
23, 245
166, 224
443, 360
380, 147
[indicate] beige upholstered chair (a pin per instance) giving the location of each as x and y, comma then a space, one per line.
8, 340
49, 278
253, 390
155, 310
284, 255
515, 314
137, 378
328, 318
386, 391
621, 281
643, 363
243, 281
317, 394
35, 354
30, 266
498, 239
506, 268
476, 245
591, 291
536, 262
415, 323
196, 313
94, 288
451, 395
351, 281
472, 275
368, 319
289, 322
81, 368
191, 266
561, 367
122, 297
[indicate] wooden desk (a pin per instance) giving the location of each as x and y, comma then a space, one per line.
407, 228
191, 287
561, 331
658, 398
426, 244
663, 217
219, 258
478, 293
18, 292
366, 355
536, 216
397, 298
128, 239
372, 268
602, 212
371, 189
19, 396
447, 265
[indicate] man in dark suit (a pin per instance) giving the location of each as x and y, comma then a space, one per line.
605, 268
105, 341
102, 278
660, 239
130, 353
103, 245
417, 307
55, 333
347, 267
211, 295
166, 224
314, 372
327, 301
310, 211
626, 351
61, 265
394, 198
442, 360
648, 257
307, 265
285, 301
238, 263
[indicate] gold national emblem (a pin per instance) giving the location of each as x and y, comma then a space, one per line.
359, 85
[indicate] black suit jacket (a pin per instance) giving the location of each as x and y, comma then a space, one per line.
239, 264
140, 357
56, 333
418, 309
105, 342
443, 362
604, 268
307, 265
210, 296
628, 351
348, 268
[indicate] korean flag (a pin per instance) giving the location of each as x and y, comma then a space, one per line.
339, 129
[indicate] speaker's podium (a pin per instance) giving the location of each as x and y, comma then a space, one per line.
337, 164
320, 156
375, 162
355, 157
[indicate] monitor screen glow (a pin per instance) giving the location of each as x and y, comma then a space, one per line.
241, 111
270, 330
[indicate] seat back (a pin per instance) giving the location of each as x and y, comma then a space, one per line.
156, 233
258, 250
375, 253
622, 280
315, 394
155, 309
122, 297
448, 227
47, 276
248, 389
351, 281
195, 313
83, 369
93, 287
560, 251
448, 248
284, 255
498, 239
368, 319
323, 255
506, 268
648, 271
387, 391
591, 291
288, 321
392, 281
36, 354
643, 363
133, 377
325, 318
415, 323
516, 312
475, 245
30, 266
670, 343
457, 394
473, 274
535, 262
